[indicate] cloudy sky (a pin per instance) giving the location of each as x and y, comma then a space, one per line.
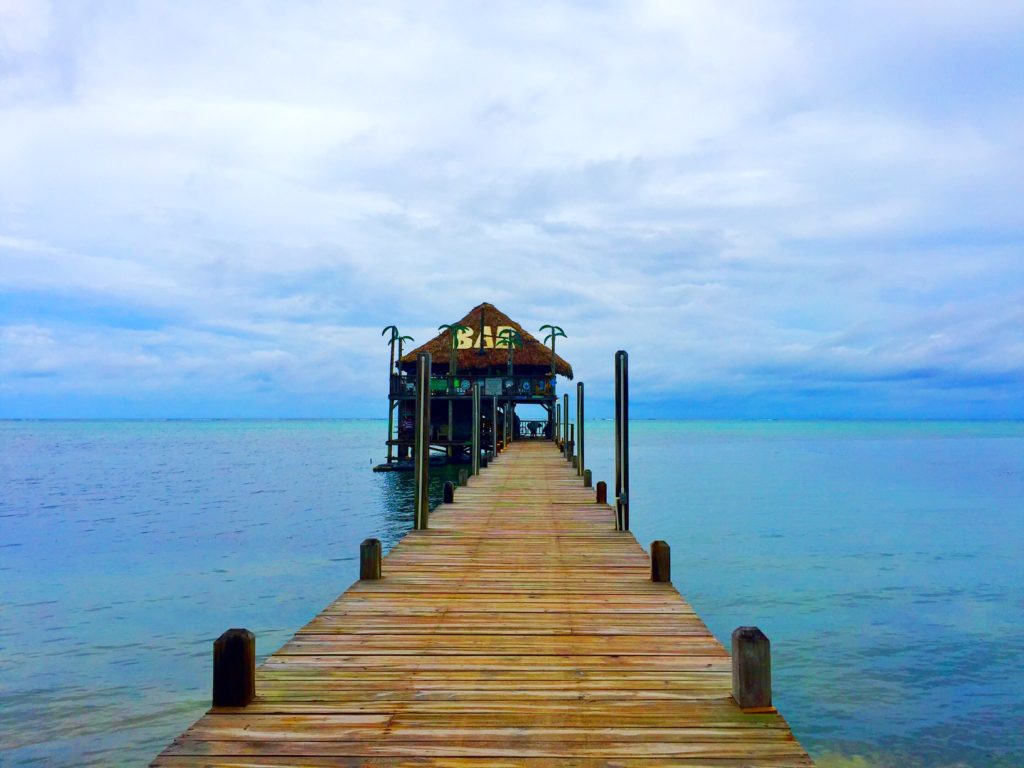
781, 209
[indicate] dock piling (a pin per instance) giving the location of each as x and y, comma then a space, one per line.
661, 562
587, 478
369, 560
622, 440
476, 429
558, 422
579, 427
449, 492
421, 452
565, 423
751, 669
494, 427
234, 668
602, 492
463, 476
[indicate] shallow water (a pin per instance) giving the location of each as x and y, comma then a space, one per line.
883, 559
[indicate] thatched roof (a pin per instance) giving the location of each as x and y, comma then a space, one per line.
532, 357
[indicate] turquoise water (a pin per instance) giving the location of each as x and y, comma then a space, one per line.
883, 559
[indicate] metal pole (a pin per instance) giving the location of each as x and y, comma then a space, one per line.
622, 440
579, 427
476, 428
565, 423
421, 446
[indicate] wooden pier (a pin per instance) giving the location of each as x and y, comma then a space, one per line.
520, 628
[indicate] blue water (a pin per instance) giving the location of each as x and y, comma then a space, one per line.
883, 559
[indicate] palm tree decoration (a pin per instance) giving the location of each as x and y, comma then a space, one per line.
509, 338
401, 341
555, 332
453, 356
395, 336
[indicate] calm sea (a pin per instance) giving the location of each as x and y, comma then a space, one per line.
884, 560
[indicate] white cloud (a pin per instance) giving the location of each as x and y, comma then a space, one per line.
761, 190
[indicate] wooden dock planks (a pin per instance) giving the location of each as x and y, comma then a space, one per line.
520, 629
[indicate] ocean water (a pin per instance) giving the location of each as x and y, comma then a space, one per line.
885, 560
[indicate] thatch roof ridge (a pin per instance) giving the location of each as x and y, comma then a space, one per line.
533, 353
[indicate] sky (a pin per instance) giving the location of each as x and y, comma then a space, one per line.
780, 209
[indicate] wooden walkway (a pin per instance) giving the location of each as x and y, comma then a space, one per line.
520, 629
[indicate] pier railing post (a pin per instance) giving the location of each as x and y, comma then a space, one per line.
565, 423
661, 562
463, 476
234, 668
476, 429
570, 451
579, 428
449, 492
558, 423
369, 559
622, 440
587, 478
602, 492
494, 427
421, 447
751, 669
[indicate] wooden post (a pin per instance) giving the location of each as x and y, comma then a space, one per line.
576, 463
421, 447
602, 492
558, 423
661, 562
369, 559
391, 391
234, 668
449, 449
494, 427
751, 669
463, 476
449, 492
565, 422
579, 428
571, 453
622, 440
476, 428
483, 460
587, 478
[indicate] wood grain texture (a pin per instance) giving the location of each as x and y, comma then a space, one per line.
519, 629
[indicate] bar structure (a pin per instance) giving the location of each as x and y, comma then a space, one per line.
475, 353
522, 629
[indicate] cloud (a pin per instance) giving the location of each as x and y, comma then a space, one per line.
754, 198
